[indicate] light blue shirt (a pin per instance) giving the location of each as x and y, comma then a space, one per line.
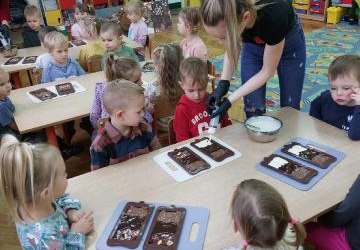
54, 72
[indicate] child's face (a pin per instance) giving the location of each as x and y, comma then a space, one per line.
5, 86
342, 88
111, 42
218, 31
33, 22
60, 53
60, 182
136, 77
134, 114
182, 27
80, 15
193, 91
134, 16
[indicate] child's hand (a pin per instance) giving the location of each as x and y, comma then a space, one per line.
85, 225
74, 215
356, 95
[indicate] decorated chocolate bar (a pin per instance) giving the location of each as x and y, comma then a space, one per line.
212, 149
188, 160
29, 59
65, 88
13, 60
43, 94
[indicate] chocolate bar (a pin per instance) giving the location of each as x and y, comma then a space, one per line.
188, 160
13, 60
212, 149
78, 42
43, 94
65, 88
289, 168
29, 59
165, 228
131, 225
148, 67
310, 154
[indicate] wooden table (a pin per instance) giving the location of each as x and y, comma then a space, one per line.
31, 116
142, 179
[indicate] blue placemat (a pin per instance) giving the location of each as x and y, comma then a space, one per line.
194, 215
321, 172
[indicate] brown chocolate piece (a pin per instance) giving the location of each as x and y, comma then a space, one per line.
311, 154
29, 59
78, 42
65, 88
43, 94
215, 150
131, 225
165, 228
188, 160
290, 169
13, 60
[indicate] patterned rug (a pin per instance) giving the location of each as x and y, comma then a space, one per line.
322, 46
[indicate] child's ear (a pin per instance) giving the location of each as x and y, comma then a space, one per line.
45, 193
234, 226
119, 113
246, 16
181, 84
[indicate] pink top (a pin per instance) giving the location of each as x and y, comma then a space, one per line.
77, 32
196, 48
138, 32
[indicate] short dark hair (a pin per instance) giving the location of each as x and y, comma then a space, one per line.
345, 65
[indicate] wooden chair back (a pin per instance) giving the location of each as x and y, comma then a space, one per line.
93, 64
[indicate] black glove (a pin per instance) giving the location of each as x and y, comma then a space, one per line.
223, 108
215, 97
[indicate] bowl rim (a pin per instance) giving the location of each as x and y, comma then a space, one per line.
275, 118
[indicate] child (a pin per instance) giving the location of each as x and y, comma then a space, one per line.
81, 11
111, 34
167, 59
340, 228
43, 59
125, 135
340, 106
94, 46
7, 108
191, 118
138, 30
33, 21
261, 216
115, 68
188, 26
61, 66
33, 182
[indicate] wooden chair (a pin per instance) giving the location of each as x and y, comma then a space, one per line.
93, 64
163, 108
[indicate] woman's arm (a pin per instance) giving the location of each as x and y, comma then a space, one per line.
228, 70
271, 58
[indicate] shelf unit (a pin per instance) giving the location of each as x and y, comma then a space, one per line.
309, 15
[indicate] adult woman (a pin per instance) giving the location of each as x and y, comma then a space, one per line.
272, 40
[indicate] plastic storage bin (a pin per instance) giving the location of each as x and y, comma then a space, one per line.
334, 14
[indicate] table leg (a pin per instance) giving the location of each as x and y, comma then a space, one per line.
15, 76
51, 136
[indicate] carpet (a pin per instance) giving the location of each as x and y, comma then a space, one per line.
322, 47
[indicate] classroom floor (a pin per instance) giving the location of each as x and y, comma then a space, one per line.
80, 164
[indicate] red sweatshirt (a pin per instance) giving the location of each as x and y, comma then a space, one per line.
191, 118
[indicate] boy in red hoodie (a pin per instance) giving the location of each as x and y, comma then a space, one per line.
191, 118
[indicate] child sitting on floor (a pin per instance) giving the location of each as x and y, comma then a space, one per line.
188, 26
340, 228
115, 68
81, 11
191, 118
7, 109
138, 30
30, 31
340, 106
33, 182
260, 215
126, 134
94, 47
111, 34
61, 66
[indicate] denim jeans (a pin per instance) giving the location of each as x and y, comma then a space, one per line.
291, 72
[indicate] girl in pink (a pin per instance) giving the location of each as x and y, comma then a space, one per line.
188, 26
81, 11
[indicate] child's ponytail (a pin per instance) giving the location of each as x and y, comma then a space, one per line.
120, 67
299, 232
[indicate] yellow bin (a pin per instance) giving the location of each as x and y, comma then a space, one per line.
191, 3
334, 14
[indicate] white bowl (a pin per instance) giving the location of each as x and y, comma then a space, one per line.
263, 128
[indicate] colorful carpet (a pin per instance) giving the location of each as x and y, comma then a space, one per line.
322, 46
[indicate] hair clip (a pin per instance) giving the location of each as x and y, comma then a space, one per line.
293, 220
245, 243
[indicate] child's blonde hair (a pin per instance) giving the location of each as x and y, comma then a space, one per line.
85, 8
196, 69
92, 26
120, 94
53, 39
135, 6
25, 171
120, 67
192, 18
31, 10
113, 27
261, 215
167, 59
345, 65
230, 11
